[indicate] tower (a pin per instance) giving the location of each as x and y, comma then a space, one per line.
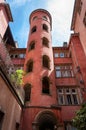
41, 111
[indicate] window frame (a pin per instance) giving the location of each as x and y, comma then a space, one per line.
34, 29
29, 66
31, 46
45, 85
65, 95
45, 42
45, 27
84, 19
27, 89
1, 118
64, 71
46, 61
44, 18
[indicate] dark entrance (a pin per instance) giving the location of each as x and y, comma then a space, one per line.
46, 120
46, 125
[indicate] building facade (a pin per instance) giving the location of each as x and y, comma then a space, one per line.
55, 77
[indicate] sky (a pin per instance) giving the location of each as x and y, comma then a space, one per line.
60, 10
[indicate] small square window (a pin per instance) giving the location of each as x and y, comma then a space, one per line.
61, 55
56, 55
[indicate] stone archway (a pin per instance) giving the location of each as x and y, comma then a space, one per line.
45, 120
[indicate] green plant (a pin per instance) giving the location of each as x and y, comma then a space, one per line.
17, 77
80, 119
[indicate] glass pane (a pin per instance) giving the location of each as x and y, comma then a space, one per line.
67, 90
75, 100
58, 67
56, 55
58, 73
73, 91
61, 99
61, 54
60, 90
69, 101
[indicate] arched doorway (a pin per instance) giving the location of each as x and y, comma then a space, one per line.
45, 120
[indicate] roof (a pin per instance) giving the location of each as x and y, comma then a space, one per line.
42, 10
8, 37
7, 9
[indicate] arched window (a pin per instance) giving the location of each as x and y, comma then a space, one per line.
46, 61
29, 66
32, 45
45, 42
27, 89
33, 29
45, 85
35, 17
44, 18
45, 27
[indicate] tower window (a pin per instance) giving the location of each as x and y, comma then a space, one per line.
45, 27
29, 66
32, 45
45, 85
45, 42
84, 20
27, 89
33, 29
46, 61
1, 119
44, 18
34, 18
80, 7
17, 126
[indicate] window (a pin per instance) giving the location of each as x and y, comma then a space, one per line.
68, 126
17, 126
27, 89
21, 55
11, 56
56, 55
33, 29
84, 20
64, 71
1, 119
44, 18
67, 96
32, 45
46, 61
45, 42
29, 66
34, 18
61, 54
45, 85
80, 7
16, 56
45, 27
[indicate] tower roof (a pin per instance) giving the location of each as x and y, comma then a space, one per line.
41, 10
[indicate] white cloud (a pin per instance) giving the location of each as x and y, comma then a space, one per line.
61, 12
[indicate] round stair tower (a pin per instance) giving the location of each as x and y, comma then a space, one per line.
39, 65
41, 110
